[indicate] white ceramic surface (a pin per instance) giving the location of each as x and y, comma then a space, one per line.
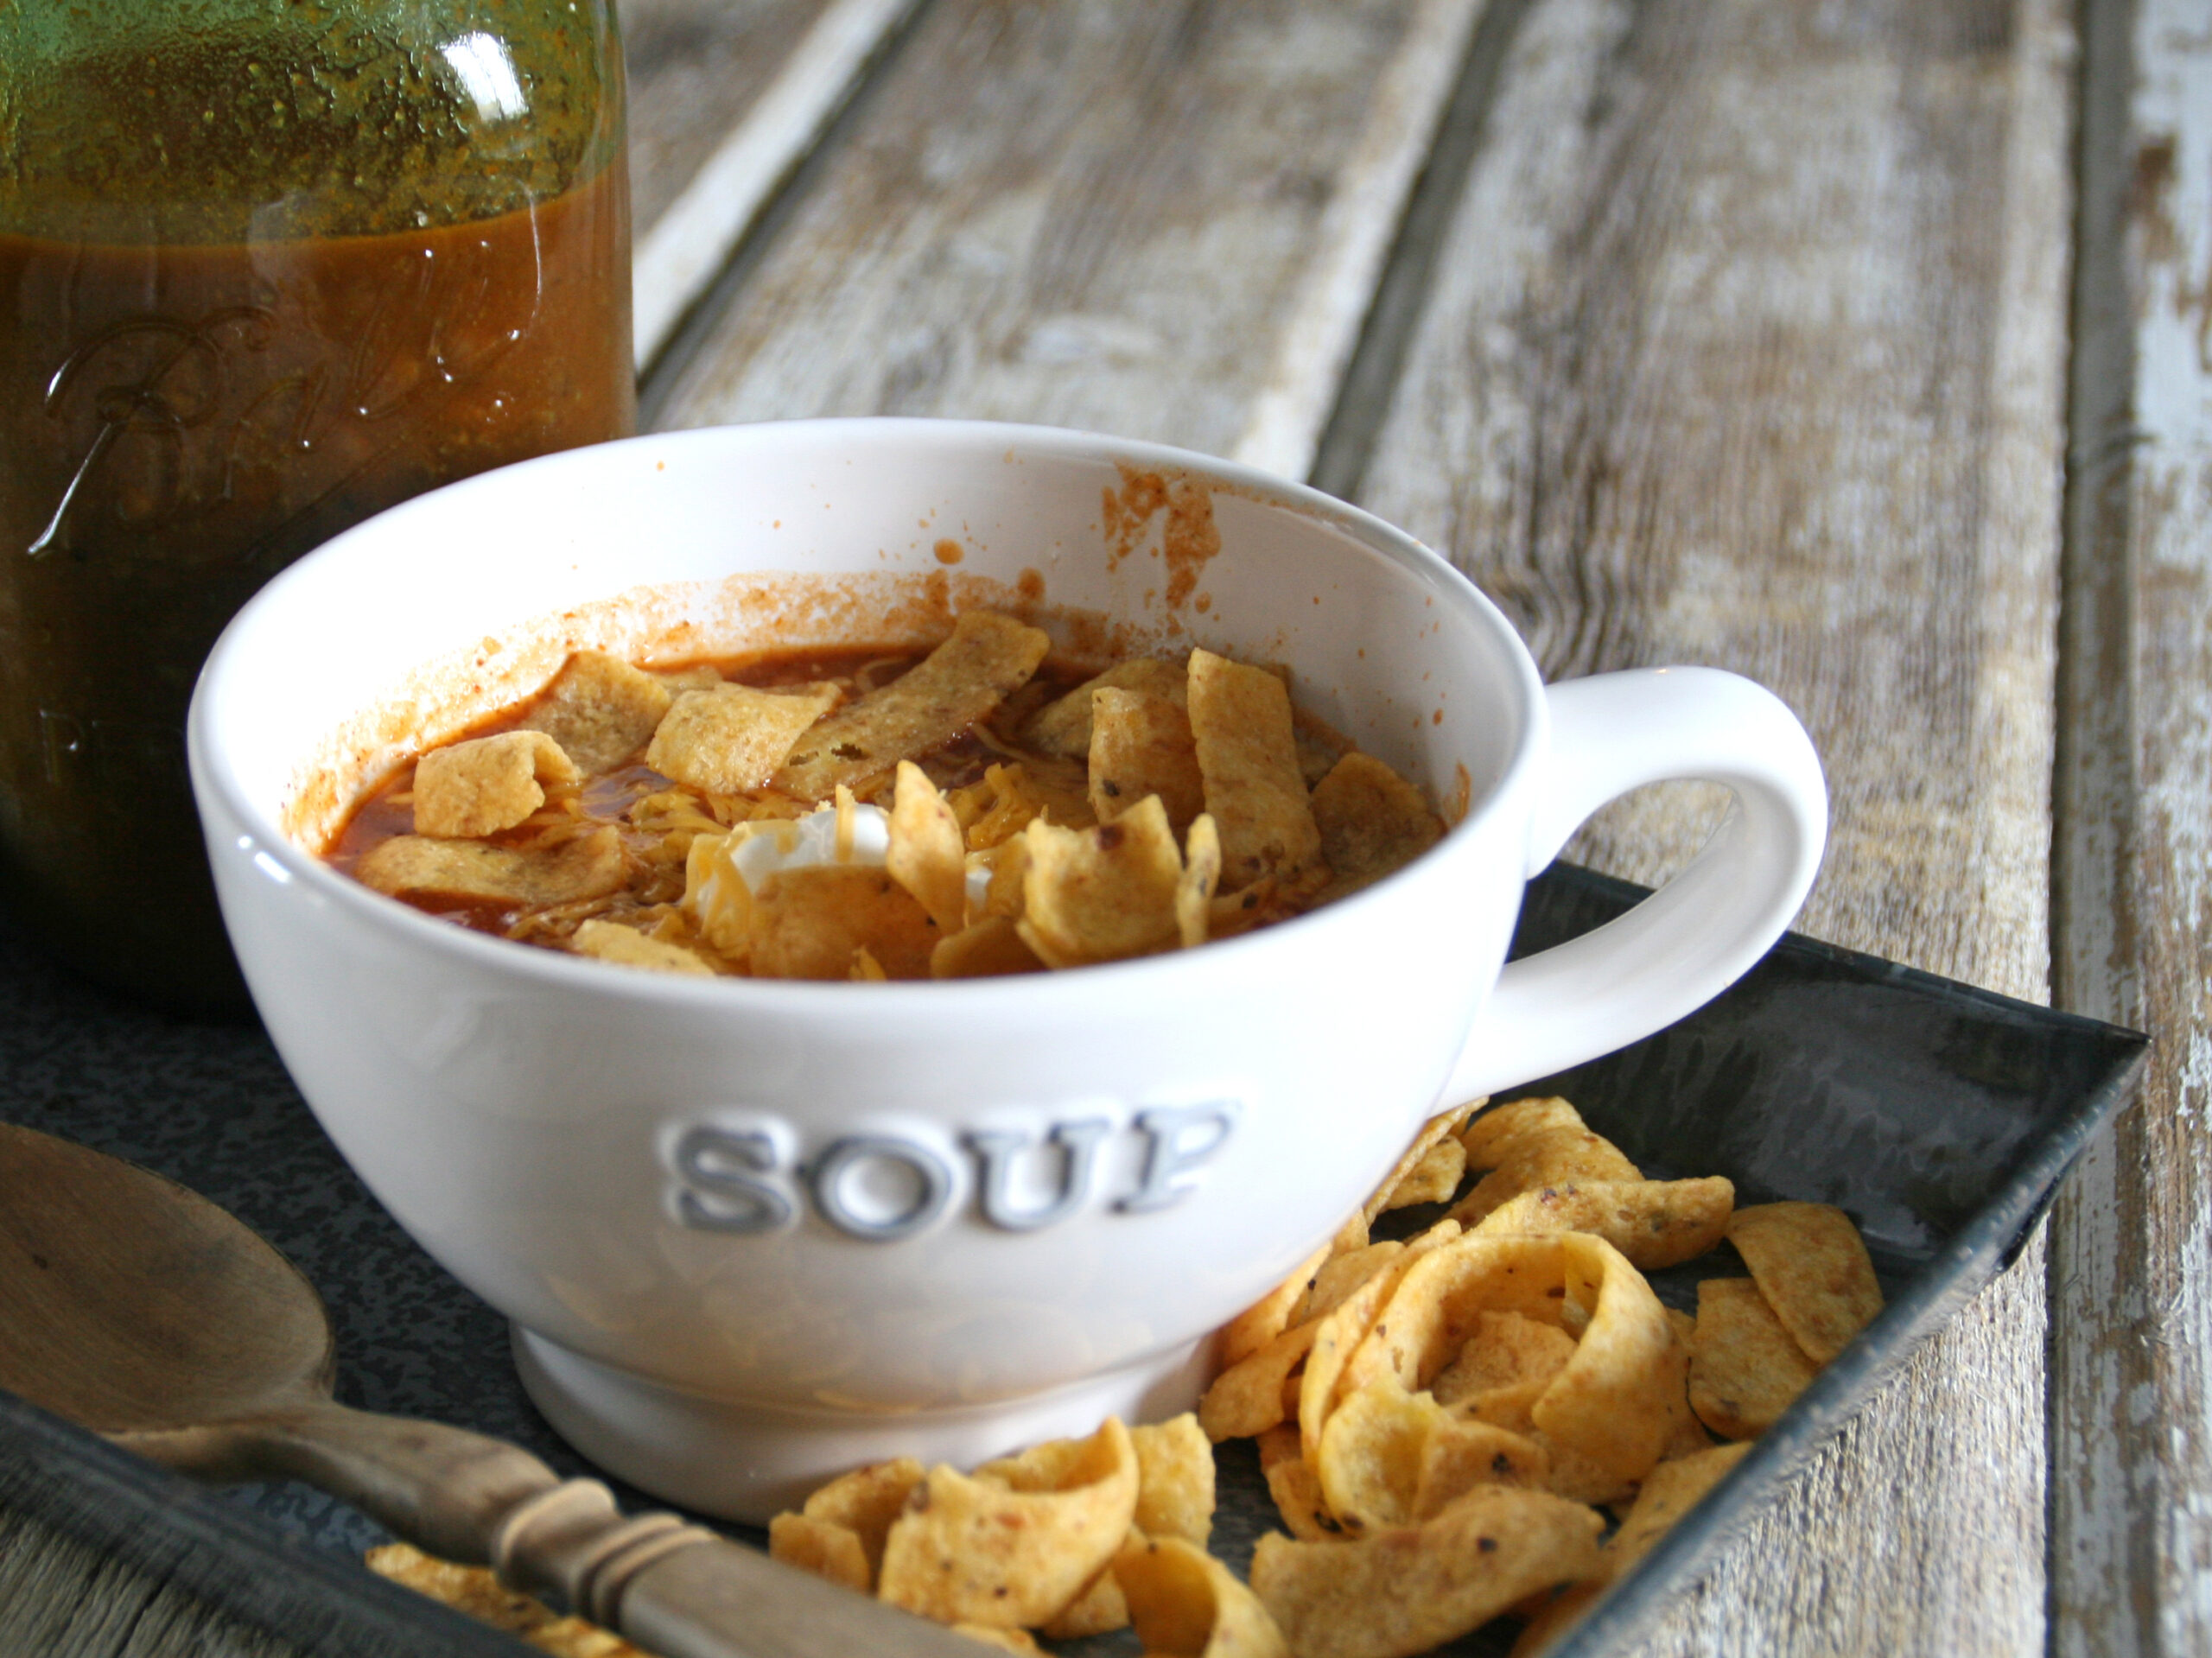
752, 1232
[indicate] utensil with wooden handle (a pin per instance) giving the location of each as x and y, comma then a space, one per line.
142, 1311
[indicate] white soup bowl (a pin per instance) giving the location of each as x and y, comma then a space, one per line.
751, 1233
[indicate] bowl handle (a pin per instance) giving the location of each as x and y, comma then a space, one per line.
1704, 929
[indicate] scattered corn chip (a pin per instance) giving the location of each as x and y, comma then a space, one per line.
1372, 822
865, 1502
1510, 1405
1186, 1605
1338, 1334
1654, 1224
1619, 1399
1461, 1453
1506, 1351
1392, 1457
990, 947
716, 901
1201, 877
1063, 727
415, 867
928, 854
1671, 1490
975, 1550
1247, 756
826, 1549
1248, 1398
1100, 1609
600, 709
1019, 1641
1141, 745
609, 941
1622, 1397
1175, 1480
1370, 1457
693, 676
1580, 1477
1433, 1179
1691, 1438
1053, 1465
473, 1590
733, 738
987, 656
1295, 1488
1812, 1266
1319, 748
1008, 864
1436, 1303
810, 922
1485, 1136
1101, 895
1548, 1157
1400, 1592
487, 784
1744, 1369
1426, 1173
1343, 1274
1270, 1316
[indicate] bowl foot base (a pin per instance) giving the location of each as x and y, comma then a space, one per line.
747, 1462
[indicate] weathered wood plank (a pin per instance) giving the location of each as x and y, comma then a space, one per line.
2131, 1241
725, 96
1151, 216
1747, 349
1316, 332
696, 67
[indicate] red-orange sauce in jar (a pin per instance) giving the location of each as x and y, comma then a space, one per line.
179, 420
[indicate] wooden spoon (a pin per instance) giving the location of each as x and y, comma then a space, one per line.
142, 1311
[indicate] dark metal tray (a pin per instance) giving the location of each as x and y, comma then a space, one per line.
1941, 1116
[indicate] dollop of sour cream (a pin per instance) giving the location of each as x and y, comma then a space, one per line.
751, 852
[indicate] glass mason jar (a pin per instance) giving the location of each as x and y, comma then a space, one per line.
266, 267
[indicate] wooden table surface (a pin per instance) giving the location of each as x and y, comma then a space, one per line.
1863, 346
